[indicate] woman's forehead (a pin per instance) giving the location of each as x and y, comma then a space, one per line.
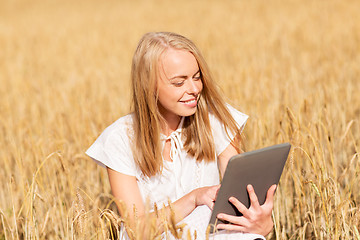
174, 62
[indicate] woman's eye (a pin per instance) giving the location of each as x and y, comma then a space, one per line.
178, 84
197, 77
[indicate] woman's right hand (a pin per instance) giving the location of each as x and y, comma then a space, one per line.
205, 196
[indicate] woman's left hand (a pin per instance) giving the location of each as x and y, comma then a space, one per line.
256, 219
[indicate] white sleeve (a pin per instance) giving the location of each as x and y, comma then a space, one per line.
112, 149
221, 139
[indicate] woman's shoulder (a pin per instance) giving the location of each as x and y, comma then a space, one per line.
222, 137
113, 147
121, 126
119, 133
239, 117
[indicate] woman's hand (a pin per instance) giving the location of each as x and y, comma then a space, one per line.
256, 219
205, 196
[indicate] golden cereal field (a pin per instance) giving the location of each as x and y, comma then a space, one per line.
293, 66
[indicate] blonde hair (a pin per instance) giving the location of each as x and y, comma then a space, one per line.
199, 142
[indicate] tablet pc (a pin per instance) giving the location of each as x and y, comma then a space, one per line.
260, 168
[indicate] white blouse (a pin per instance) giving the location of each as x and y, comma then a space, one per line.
179, 177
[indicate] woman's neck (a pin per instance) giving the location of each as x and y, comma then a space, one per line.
170, 124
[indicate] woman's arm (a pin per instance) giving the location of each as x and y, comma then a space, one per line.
125, 189
257, 218
224, 158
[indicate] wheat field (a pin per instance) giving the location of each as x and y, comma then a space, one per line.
292, 66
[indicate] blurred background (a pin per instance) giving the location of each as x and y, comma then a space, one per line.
292, 66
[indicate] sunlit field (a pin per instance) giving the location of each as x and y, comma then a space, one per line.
292, 66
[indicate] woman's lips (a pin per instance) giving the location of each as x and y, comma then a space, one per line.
190, 103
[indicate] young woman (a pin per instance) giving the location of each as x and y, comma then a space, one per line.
177, 141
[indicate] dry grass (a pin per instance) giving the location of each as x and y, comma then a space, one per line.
293, 66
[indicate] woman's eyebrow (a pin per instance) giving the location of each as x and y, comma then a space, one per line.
178, 76
198, 71
184, 76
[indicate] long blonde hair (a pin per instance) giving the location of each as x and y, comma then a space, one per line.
199, 142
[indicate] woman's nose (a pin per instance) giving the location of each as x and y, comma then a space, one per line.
194, 86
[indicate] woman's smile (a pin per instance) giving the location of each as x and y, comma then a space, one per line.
190, 103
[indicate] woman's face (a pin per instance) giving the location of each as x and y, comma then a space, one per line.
180, 84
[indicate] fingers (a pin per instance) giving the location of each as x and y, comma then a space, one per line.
212, 192
241, 207
210, 202
254, 202
217, 187
236, 220
256, 219
231, 227
270, 196
206, 196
